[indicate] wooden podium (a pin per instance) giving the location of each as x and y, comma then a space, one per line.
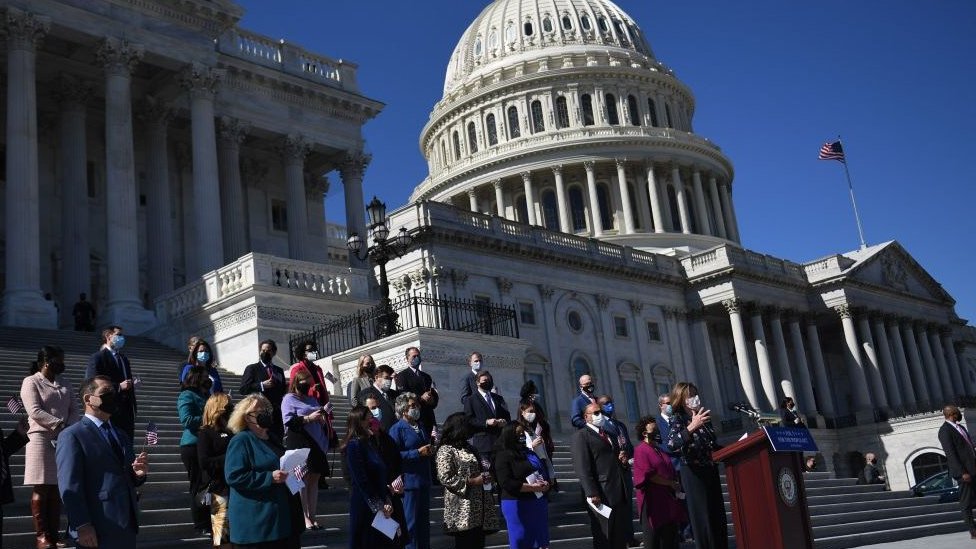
769, 504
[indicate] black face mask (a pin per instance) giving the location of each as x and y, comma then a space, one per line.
56, 368
266, 357
303, 387
588, 388
487, 386
110, 403
264, 420
654, 437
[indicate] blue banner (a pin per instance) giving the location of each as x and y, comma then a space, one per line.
790, 439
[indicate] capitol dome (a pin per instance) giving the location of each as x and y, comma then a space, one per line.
556, 113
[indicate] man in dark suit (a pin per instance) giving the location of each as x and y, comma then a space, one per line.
582, 400
470, 380
487, 413
98, 473
110, 362
961, 457
380, 394
266, 378
603, 480
872, 475
412, 380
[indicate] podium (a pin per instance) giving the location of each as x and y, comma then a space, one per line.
769, 504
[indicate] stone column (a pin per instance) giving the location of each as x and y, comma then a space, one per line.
820, 370
704, 227
200, 82
234, 214
294, 149
188, 225
731, 229
762, 359
596, 222
782, 357
932, 374
872, 365
565, 223
472, 200
23, 304
887, 365
654, 192
499, 197
734, 306
855, 364
679, 190
316, 190
950, 351
352, 169
705, 361
807, 400
625, 203
75, 247
924, 400
529, 197
159, 224
717, 207
908, 395
124, 306
951, 386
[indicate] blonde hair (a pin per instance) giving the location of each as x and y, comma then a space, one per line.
251, 403
214, 409
361, 365
679, 393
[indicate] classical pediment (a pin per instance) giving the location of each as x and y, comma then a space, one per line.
890, 267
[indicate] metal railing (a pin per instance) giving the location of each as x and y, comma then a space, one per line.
367, 325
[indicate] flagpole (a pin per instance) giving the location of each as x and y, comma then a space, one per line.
850, 187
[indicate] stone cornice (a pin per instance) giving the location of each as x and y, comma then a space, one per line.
212, 16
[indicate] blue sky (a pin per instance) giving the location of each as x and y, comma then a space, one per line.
773, 80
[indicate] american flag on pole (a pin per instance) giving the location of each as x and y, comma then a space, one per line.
832, 151
15, 405
152, 434
301, 471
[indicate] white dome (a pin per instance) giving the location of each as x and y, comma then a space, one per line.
509, 31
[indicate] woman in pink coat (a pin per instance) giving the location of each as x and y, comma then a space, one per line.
657, 487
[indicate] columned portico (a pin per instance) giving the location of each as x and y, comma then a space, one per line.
565, 223
704, 227
820, 370
872, 364
731, 228
762, 360
717, 207
22, 301
75, 246
596, 221
782, 357
950, 352
925, 399
734, 307
499, 198
679, 190
807, 401
529, 198
888, 372
929, 364
294, 150
855, 364
625, 202
351, 170
654, 192
909, 397
159, 226
951, 388
231, 135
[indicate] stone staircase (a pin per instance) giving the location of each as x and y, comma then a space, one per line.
842, 513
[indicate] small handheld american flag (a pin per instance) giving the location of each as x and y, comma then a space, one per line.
152, 434
300, 471
15, 405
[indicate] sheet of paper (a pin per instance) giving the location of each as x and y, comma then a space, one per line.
293, 483
292, 459
532, 479
744, 436
387, 526
539, 450
602, 510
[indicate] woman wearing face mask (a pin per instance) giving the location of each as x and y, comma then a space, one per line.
212, 440
189, 404
523, 482
304, 424
788, 415
50, 404
365, 371
538, 437
657, 486
201, 356
415, 454
263, 512
692, 439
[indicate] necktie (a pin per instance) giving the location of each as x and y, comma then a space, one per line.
110, 435
605, 438
491, 404
965, 433
270, 373
121, 363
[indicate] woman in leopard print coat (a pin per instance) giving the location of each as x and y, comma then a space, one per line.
470, 512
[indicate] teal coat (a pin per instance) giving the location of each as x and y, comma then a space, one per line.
190, 406
259, 510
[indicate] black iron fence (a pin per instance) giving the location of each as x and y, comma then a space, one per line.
369, 325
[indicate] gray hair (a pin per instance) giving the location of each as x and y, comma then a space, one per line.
660, 399
402, 402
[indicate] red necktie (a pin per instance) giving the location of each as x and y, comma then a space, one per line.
605, 438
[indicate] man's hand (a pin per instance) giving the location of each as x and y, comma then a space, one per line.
125, 385
86, 536
424, 450
387, 510
268, 383
140, 466
279, 476
622, 456
427, 396
595, 500
476, 480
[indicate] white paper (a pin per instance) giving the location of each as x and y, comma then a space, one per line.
602, 510
539, 450
744, 436
292, 459
534, 478
387, 526
293, 483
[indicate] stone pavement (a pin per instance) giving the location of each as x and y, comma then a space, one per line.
945, 541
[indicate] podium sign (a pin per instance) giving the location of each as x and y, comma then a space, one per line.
790, 439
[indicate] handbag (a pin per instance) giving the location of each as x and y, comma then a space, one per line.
203, 496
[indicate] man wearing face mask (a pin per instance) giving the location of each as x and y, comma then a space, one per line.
487, 413
98, 473
603, 479
582, 400
110, 362
413, 380
475, 362
382, 396
268, 379
872, 475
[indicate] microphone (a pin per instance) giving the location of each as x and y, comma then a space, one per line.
744, 408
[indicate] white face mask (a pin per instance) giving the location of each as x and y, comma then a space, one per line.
385, 384
312, 356
476, 365
414, 413
693, 402
597, 419
529, 416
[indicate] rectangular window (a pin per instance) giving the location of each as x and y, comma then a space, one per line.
653, 331
620, 326
526, 312
633, 404
279, 215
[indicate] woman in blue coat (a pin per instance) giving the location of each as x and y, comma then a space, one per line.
415, 455
262, 513
190, 403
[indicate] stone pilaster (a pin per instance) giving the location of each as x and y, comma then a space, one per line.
294, 150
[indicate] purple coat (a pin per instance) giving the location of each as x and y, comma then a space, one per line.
663, 508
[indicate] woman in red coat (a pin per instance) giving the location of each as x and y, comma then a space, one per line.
657, 487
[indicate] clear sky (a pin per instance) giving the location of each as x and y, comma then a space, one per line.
773, 81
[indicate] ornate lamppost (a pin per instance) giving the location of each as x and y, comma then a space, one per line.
382, 250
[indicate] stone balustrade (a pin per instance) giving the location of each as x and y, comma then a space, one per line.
730, 256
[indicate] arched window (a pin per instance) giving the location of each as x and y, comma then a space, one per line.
587, 104
521, 211
603, 197
538, 123
527, 28
634, 112
457, 145
472, 138
652, 110
580, 367
585, 21
492, 131
577, 209
510, 32
547, 24
602, 23
444, 158
673, 206
562, 112
667, 114
620, 30
513, 123
612, 116
550, 210
567, 23
928, 464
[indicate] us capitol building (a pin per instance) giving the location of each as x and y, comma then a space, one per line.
172, 166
